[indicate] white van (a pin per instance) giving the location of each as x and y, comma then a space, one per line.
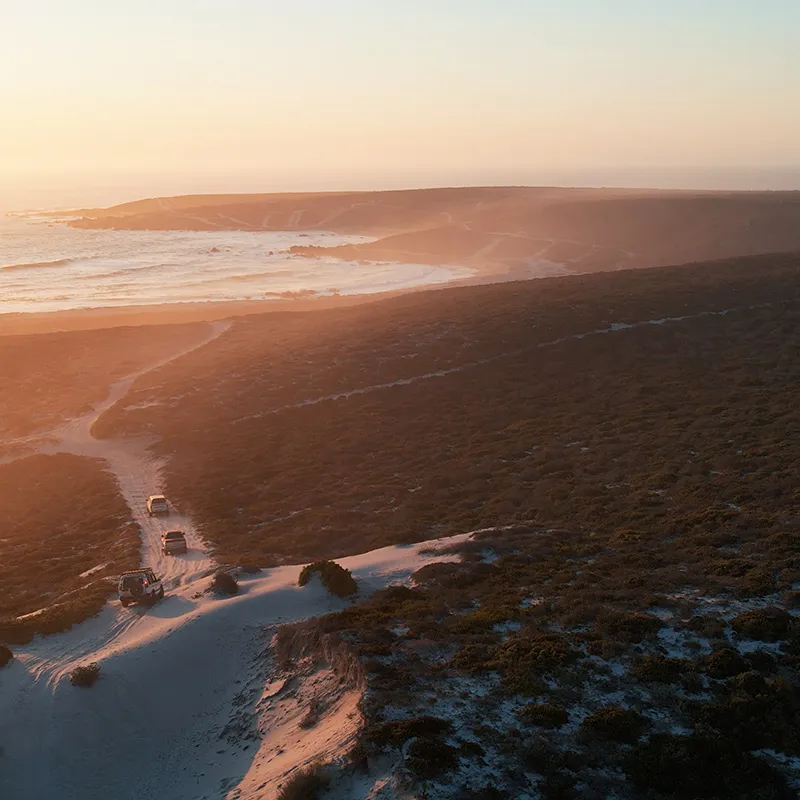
157, 504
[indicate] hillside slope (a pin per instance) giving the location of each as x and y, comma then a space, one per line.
498, 228
627, 623
319, 434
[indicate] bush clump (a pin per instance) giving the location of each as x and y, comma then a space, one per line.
397, 732
687, 767
615, 723
659, 669
5, 655
522, 660
764, 625
85, 675
336, 579
627, 627
305, 784
724, 662
224, 583
428, 757
545, 715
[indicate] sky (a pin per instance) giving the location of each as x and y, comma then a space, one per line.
319, 94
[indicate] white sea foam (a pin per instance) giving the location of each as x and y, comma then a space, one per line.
51, 267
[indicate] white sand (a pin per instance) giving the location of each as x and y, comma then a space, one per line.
150, 727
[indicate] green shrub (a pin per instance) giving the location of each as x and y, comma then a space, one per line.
545, 715
5, 655
615, 723
305, 784
85, 675
224, 583
336, 579
764, 625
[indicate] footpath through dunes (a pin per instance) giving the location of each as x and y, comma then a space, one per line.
190, 703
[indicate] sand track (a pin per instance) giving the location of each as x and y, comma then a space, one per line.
179, 711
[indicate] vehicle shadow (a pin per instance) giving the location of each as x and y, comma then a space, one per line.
170, 607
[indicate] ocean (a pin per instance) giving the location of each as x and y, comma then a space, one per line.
48, 266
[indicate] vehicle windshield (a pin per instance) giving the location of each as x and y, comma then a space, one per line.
173, 535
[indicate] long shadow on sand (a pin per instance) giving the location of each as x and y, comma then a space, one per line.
171, 607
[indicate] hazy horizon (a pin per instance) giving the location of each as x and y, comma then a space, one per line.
27, 193
198, 97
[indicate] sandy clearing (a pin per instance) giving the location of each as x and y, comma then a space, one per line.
173, 677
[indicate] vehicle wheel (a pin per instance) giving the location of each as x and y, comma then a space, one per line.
124, 602
161, 593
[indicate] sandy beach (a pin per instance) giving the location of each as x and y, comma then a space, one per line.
177, 313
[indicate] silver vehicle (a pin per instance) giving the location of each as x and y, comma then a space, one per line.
157, 504
140, 586
173, 542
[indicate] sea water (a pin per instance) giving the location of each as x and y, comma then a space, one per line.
46, 265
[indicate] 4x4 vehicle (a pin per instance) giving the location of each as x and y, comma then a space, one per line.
157, 504
140, 586
173, 542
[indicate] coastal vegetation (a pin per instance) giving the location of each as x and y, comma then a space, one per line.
46, 379
65, 533
335, 578
623, 622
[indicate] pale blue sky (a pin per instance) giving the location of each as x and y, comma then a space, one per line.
397, 90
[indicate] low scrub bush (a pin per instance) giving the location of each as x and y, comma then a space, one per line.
522, 661
397, 732
628, 627
658, 669
615, 723
428, 757
688, 767
724, 662
305, 784
224, 583
336, 579
753, 713
5, 655
85, 675
545, 715
764, 625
